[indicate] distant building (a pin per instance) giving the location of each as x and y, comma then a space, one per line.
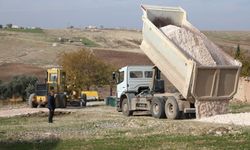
15, 27
91, 27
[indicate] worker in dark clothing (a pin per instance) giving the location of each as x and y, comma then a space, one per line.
51, 105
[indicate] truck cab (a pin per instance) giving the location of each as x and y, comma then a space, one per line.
140, 88
132, 79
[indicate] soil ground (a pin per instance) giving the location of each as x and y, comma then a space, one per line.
98, 122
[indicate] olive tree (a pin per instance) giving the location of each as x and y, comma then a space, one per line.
21, 85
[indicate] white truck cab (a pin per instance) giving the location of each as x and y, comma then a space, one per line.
133, 79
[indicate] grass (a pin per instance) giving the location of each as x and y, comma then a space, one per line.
240, 141
36, 30
87, 42
239, 107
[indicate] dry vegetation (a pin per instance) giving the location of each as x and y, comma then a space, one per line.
119, 47
228, 40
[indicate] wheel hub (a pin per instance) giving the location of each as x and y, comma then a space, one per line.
156, 109
170, 108
125, 107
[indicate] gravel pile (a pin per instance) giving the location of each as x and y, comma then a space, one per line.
242, 119
197, 46
190, 43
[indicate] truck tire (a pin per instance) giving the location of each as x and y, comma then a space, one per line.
157, 108
172, 108
125, 108
31, 97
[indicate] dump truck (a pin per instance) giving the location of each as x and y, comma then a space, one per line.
56, 79
201, 89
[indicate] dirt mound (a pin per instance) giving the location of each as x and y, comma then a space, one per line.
9, 70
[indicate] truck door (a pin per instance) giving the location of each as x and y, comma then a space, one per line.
121, 83
135, 79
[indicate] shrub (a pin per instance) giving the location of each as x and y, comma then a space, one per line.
9, 25
245, 70
84, 69
19, 86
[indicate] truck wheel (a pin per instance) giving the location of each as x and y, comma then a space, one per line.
125, 108
157, 108
31, 97
172, 108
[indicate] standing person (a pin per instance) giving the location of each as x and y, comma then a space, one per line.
51, 104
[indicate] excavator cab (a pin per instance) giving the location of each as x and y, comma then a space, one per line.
56, 79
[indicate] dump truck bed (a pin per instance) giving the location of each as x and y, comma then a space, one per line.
190, 78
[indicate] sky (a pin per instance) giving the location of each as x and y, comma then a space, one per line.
204, 14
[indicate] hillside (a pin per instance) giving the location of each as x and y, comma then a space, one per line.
119, 47
228, 40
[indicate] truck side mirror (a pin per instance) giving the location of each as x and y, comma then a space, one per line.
113, 76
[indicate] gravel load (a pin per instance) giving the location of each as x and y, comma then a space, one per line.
242, 119
197, 46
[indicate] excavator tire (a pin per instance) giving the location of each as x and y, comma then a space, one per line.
31, 97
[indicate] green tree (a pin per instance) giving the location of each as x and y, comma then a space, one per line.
83, 69
245, 70
21, 85
5, 91
237, 52
9, 25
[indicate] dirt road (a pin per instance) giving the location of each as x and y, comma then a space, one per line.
23, 110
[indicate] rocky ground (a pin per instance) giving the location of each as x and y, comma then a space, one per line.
100, 119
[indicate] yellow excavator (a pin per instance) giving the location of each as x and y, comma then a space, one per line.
56, 79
